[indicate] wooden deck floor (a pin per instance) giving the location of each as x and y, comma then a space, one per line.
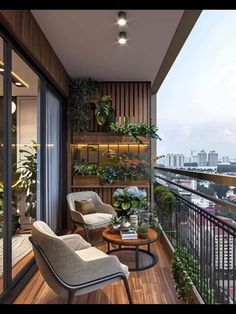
151, 286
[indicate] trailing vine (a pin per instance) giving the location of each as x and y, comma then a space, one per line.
80, 90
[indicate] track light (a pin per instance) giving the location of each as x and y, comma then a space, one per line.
121, 18
122, 38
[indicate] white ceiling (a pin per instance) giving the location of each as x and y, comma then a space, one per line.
86, 42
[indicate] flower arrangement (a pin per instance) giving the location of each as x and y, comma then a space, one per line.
129, 198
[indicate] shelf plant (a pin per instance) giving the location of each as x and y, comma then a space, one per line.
135, 130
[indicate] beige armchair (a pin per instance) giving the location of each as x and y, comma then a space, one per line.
102, 217
70, 266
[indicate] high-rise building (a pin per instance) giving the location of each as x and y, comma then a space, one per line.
174, 160
194, 156
202, 158
212, 158
225, 159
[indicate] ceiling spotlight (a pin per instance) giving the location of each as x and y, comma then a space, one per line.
122, 18
122, 38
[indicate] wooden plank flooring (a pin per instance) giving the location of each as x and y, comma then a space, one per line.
151, 286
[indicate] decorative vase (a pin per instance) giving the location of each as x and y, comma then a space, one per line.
134, 221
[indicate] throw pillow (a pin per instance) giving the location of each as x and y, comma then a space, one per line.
85, 207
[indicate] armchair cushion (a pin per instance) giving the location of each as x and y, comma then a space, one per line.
97, 220
85, 207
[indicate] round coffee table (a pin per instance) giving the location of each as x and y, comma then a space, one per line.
115, 238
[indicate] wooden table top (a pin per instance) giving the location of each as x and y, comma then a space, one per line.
116, 238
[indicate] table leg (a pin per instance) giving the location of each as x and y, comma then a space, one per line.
120, 246
136, 257
108, 247
148, 247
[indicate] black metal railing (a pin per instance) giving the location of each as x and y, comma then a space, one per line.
205, 240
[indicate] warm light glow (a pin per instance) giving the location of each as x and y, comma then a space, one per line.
13, 107
122, 38
121, 22
15, 78
122, 41
122, 18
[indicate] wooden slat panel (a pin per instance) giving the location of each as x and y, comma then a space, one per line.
140, 102
117, 101
136, 104
23, 26
122, 103
145, 104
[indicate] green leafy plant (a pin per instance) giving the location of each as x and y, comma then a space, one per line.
28, 177
136, 130
102, 109
108, 175
79, 91
143, 228
129, 199
165, 199
181, 277
82, 169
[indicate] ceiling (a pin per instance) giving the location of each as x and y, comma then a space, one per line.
20, 68
86, 42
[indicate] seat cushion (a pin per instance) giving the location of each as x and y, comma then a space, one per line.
93, 253
85, 207
97, 220
90, 254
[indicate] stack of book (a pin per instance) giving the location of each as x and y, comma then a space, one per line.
128, 234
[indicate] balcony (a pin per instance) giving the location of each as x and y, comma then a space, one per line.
204, 242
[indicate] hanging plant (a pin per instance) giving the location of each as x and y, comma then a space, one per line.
103, 109
80, 90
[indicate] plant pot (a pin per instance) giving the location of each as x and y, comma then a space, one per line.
143, 235
86, 180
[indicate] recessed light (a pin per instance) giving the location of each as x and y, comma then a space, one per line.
122, 18
122, 38
14, 77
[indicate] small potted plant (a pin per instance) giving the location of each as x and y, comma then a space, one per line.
115, 224
143, 230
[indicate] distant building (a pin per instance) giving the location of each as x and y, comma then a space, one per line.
174, 160
212, 158
225, 159
202, 158
194, 156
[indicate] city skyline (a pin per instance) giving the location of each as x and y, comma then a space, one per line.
196, 102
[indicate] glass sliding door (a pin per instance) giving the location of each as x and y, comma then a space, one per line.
53, 160
25, 149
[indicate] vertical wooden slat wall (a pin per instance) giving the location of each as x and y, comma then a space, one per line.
130, 100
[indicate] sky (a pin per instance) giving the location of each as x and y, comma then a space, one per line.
196, 103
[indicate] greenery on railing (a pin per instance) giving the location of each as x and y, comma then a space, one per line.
135, 130
184, 271
165, 199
